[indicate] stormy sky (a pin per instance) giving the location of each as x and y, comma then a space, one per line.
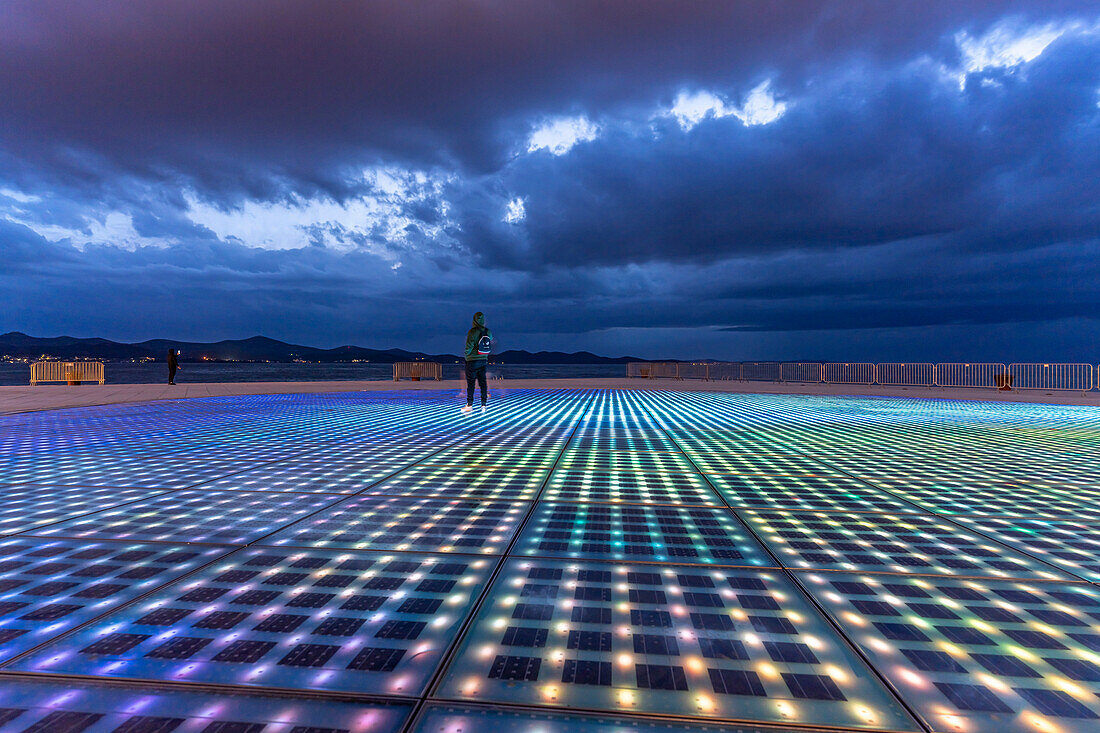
819, 180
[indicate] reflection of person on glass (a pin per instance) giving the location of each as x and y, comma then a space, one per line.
173, 365
479, 341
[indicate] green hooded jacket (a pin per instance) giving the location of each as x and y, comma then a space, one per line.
472, 337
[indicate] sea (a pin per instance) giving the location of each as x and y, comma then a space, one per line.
129, 373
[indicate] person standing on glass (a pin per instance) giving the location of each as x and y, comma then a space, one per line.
479, 344
173, 365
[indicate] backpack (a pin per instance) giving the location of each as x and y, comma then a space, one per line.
484, 344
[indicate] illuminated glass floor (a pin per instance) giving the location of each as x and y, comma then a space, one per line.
568, 561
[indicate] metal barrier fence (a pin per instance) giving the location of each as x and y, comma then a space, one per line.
761, 371
800, 371
990, 375
693, 371
664, 370
723, 371
906, 374
417, 370
1077, 377
987, 375
66, 371
848, 373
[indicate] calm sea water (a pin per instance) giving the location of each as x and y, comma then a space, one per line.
152, 373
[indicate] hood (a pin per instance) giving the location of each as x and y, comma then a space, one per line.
479, 320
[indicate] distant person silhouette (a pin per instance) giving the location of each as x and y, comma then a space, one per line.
479, 342
173, 365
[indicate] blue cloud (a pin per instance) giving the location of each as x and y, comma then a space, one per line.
305, 176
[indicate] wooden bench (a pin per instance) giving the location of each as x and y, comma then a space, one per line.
73, 372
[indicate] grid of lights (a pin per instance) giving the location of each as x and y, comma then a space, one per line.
625, 461
350, 621
495, 455
195, 515
717, 459
974, 654
696, 641
805, 493
449, 718
992, 499
639, 533
464, 481
410, 524
313, 475
1071, 545
28, 506
621, 486
48, 587
94, 470
90, 707
653, 557
890, 543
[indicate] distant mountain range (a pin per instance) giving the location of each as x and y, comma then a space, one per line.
258, 348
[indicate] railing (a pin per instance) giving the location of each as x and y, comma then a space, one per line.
987, 375
848, 373
693, 371
1077, 377
66, 371
800, 371
984, 375
906, 374
417, 370
761, 371
725, 371
664, 370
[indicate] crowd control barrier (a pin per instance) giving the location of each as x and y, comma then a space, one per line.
761, 371
991, 375
906, 374
417, 370
1052, 377
73, 372
983, 375
725, 370
853, 373
800, 371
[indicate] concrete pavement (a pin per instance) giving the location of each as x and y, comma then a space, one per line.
52, 397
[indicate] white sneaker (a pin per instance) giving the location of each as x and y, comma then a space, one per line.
467, 408
483, 409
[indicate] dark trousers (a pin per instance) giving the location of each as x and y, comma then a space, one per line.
475, 370
171, 374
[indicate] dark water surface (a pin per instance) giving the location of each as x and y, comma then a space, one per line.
125, 373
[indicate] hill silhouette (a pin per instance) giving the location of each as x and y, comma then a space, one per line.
259, 348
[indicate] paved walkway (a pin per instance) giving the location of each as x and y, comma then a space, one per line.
354, 562
53, 397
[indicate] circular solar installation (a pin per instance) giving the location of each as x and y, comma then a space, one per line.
660, 560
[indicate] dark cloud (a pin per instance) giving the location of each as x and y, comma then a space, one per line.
912, 158
253, 98
885, 197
